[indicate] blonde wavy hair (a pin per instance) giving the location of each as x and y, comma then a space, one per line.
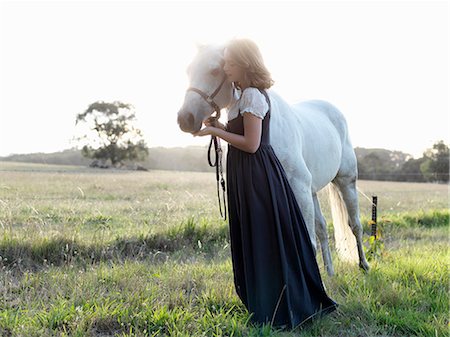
246, 54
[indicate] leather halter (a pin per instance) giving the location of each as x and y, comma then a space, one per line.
210, 98
216, 140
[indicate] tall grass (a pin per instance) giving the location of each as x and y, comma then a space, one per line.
146, 254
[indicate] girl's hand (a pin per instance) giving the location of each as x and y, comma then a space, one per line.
207, 130
211, 121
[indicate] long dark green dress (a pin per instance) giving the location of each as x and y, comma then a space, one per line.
275, 270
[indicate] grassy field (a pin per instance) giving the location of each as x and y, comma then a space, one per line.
92, 252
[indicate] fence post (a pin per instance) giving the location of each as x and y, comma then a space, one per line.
374, 215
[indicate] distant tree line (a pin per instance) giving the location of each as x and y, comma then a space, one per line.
373, 164
382, 164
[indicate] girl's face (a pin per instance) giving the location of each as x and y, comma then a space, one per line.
233, 71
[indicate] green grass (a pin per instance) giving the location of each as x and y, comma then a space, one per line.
146, 254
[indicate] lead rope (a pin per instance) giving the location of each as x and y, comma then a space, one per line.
219, 170
217, 147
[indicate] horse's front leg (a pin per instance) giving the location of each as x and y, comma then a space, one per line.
322, 234
301, 186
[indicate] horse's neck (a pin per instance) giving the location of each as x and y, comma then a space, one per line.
278, 102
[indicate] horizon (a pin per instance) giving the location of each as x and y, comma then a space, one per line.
391, 81
187, 146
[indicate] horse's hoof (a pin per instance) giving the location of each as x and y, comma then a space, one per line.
364, 266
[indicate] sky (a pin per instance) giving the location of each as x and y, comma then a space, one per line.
385, 65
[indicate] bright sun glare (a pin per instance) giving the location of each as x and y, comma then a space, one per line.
390, 79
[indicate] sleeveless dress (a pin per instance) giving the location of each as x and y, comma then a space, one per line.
275, 270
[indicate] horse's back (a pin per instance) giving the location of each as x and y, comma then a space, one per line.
321, 111
314, 129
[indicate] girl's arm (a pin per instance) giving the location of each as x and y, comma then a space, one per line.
251, 139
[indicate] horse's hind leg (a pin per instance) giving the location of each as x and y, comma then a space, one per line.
322, 234
347, 186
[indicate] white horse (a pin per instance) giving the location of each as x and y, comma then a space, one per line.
312, 142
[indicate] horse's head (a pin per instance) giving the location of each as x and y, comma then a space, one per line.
206, 74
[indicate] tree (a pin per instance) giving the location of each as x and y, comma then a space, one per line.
436, 165
115, 137
411, 170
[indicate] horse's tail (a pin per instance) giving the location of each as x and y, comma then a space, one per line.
345, 240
